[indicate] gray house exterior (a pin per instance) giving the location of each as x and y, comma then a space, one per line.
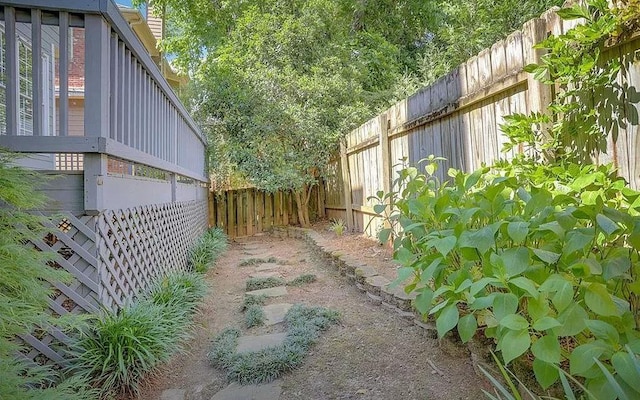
129, 196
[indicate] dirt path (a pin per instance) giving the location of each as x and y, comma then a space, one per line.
372, 354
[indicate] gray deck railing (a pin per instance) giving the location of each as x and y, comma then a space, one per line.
130, 111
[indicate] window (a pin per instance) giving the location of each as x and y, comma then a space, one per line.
25, 100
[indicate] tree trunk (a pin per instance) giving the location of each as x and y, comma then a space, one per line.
302, 197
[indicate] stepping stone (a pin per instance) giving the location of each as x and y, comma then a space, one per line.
265, 391
267, 267
275, 313
265, 274
247, 344
173, 394
270, 292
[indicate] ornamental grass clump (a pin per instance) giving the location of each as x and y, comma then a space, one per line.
251, 299
264, 283
207, 250
119, 349
254, 316
304, 325
302, 280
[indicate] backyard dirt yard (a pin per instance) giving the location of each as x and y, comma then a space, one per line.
373, 353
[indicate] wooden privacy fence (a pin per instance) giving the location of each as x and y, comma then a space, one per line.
459, 118
245, 212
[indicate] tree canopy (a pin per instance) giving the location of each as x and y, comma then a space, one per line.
277, 83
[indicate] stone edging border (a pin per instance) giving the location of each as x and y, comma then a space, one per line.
367, 280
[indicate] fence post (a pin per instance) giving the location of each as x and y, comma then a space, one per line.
96, 114
346, 179
385, 157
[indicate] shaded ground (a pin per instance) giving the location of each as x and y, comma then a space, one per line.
372, 354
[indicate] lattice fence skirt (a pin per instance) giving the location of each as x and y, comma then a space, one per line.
138, 244
113, 256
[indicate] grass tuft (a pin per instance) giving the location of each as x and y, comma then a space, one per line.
304, 325
303, 280
254, 316
255, 261
207, 250
119, 349
250, 299
264, 283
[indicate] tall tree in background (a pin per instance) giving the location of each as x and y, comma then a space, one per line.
277, 83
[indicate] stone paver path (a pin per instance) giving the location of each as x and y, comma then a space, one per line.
266, 274
267, 267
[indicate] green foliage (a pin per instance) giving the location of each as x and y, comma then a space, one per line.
255, 261
119, 349
254, 316
24, 291
543, 257
264, 283
337, 226
304, 325
302, 280
251, 299
207, 250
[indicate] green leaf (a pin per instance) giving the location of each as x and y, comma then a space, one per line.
518, 231
467, 327
600, 301
627, 370
504, 304
404, 256
574, 12
514, 322
379, 208
603, 331
546, 256
546, 323
546, 374
384, 234
423, 301
477, 286
447, 319
584, 356
562, 291
516, 260
578, 240
525, 284
403, 273
483, 239
444, 245
606, 224
573, 320
616, 266
513, 344
547, 348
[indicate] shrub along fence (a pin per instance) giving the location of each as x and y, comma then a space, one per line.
459, 118
245, 212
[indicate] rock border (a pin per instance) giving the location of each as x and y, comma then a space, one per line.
366, 279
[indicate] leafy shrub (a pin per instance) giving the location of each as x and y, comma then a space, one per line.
116, 352
264, 283
207, 249
304, 325
24, 291
254, 316
302, 280
541, 253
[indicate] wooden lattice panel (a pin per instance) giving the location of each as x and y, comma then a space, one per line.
73, 239
138, 244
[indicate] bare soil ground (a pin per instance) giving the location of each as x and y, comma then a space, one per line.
372, 354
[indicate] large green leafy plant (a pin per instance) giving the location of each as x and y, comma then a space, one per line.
540, 256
